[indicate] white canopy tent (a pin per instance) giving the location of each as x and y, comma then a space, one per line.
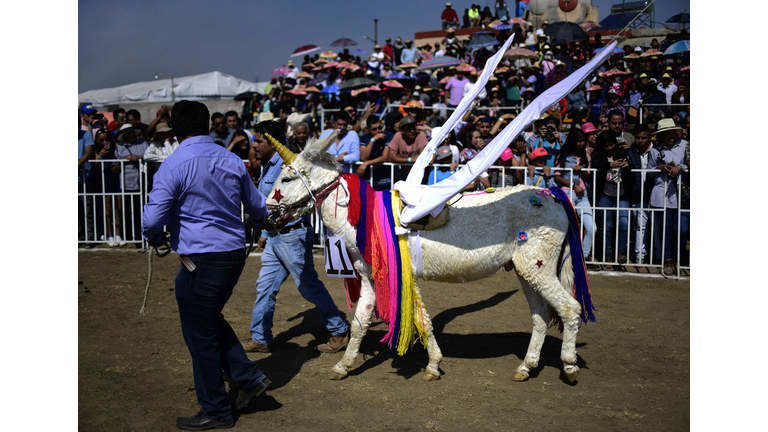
212, 85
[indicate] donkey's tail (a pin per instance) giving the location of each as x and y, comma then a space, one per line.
574, 270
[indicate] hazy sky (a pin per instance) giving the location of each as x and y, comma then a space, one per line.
125, 42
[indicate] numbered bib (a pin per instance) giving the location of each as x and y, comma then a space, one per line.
337, 262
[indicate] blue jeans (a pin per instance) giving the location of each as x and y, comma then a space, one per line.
609, 216
669, 231
584, 212
291, 254
639, 230
213, 345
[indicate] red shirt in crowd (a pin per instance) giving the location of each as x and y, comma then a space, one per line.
449, 15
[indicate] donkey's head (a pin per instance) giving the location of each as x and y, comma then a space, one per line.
303, 176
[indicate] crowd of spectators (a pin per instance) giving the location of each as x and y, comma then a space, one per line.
620, 118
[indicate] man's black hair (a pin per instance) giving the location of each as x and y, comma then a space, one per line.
342, 115
551, 120
615, 112
216, 115
372, 120
230, 113
641, 128
134, 113
273, 128
189, 118
117, 111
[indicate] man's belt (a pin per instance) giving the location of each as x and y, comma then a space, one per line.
302, 224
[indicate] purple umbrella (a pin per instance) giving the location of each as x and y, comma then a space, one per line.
343, 42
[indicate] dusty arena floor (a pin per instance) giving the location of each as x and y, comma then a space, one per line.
135, 373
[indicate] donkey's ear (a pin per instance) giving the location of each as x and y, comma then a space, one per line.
324, 143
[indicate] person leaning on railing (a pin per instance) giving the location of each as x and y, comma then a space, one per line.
110, 174
612, 175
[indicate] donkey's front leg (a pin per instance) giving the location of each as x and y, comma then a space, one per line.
360, 323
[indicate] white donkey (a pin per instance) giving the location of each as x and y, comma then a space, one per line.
478, 240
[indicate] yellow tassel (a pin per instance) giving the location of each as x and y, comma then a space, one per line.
410, 305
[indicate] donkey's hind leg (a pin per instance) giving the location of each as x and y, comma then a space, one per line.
432, 372
360, 323
539, 316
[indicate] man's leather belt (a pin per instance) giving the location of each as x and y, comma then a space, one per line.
302, 224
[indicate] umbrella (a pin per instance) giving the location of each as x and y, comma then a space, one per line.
438, 62
613, 72
678, 47
481, 41
356, 83
565, 32
687, 68
518, 21
330, 65
328, 54
465, 67
396, 76
318, 79
333, 88
408, 65
297, 92
343, 42
680, 18
303, 75
317, 69
651, 53
282, 70
312, 89
520, 53
357, 51
589, 25
616, 50
421, 75
244, 96
374, 88
308, 66
306, 49
321, 60
500, 70
498, 25
445, 80
594, 88
393, 84
632, 56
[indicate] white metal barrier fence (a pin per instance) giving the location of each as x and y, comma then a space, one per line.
107, 212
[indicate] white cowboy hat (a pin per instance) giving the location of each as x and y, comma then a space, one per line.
666, 124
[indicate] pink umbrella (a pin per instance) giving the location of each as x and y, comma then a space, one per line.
297, 92
393, 84
613, 72
687, 68
520, 53
282, 70
303, 75
651, 53
518, 21
445, 80
330, 65
373, 88
306, 49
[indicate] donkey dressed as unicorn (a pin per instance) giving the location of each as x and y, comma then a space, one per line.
535, 231
312, 179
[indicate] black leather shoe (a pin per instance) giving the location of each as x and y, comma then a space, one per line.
200, 422
246, 395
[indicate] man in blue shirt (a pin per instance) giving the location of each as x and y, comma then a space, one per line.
85, 152
410, 53
197, 193
221, 135
374, 151
287, 252
346, 147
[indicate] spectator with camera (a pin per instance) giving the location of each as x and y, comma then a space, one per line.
612, 176
550, 140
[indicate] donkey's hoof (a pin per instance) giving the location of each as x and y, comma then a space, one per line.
571, 372
520, 376
431, 374
338, 373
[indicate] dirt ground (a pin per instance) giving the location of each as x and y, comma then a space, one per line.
135, 373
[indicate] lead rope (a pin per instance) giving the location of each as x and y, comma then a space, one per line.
161, 254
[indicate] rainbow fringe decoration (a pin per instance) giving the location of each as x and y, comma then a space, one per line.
581, 291
375, 216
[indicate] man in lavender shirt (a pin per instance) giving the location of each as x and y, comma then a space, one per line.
197, 194
456, 87
346, 147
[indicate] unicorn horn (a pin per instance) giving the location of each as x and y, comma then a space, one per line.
287, 155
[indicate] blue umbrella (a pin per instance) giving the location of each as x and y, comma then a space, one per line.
357, 51
333, 88
482, 41
678, 47
616, 50
396, 75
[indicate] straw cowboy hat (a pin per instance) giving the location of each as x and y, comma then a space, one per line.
666, 125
